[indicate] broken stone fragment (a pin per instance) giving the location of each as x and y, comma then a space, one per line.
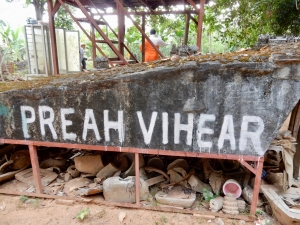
76, 183
197, 185
52, 190
217, 180
156, 162
116, 189
176, 175
21, 159
73, 171
88, 163
216, 204
131, 170
176, 197
121, 162
26, 176
67, 177
9, 175
60, 163
122, 216
108, 171
85, 191
247, 194
182, 163
155, 180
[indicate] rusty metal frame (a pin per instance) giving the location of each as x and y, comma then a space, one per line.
256, 168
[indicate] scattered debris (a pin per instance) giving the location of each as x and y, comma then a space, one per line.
121, 216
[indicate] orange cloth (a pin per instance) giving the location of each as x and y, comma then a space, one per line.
150, 53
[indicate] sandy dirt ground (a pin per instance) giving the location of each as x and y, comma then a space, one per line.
36, 211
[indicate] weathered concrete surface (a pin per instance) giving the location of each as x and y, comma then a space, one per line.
232, 103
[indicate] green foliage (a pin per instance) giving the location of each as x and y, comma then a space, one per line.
12, 43
23, 198
208, 195
163, 219
259, 212
240, 22
83, 213
63, 19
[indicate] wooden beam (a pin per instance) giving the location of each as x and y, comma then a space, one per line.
195, 21
186, 30
192, 3
55, 7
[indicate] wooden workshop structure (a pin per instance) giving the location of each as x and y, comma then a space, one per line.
97, 9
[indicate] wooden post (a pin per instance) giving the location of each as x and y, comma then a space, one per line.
121, 28
143, 39
51, 14
93, 44
200, 24
186, 30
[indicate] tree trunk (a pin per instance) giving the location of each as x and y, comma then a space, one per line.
39, 9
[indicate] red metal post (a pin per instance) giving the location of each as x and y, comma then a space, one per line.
35, 169
137, 178
200, 24
52, 36
259, 167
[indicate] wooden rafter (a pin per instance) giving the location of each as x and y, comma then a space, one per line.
165, 4
55, 7
194, 5
146, 5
